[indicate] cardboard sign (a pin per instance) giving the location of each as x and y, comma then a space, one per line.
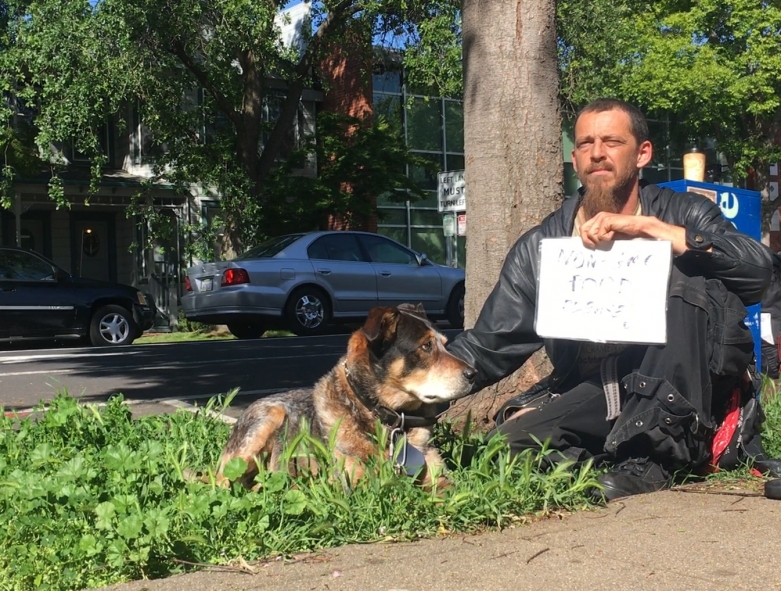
616, 293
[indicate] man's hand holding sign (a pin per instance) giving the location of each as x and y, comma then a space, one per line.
604, 227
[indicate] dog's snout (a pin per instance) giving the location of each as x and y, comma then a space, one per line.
470, 373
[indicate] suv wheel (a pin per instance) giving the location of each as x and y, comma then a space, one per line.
112, 325
247, 330
308, 311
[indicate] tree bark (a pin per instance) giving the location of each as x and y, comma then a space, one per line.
512, 126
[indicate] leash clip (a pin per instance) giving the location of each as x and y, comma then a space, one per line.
398, 433
398, 462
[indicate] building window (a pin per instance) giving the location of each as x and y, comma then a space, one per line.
104, 145
433, 129
140, 138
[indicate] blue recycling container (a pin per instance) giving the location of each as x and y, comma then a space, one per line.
743, 208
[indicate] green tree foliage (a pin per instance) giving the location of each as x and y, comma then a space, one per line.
432, 56
714, 66
356, 162
203, 75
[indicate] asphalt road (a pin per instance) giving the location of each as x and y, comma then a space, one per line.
190, 372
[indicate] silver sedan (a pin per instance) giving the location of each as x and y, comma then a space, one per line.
304, 282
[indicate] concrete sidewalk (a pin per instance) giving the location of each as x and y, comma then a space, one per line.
667, 540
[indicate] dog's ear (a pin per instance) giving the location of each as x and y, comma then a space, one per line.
414, 309
380, 324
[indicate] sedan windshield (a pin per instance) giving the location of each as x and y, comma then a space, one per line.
270, 247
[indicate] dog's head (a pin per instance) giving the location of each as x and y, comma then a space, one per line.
400, 359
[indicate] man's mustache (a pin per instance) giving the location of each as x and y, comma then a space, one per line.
591, 169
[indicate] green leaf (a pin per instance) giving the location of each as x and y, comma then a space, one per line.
123, 503
294, 502
105, 512
116, 552
235, 468
275, 482
157, 522
42, 454
262, 524
90, 545
130, 527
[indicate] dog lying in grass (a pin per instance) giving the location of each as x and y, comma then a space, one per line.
396, 370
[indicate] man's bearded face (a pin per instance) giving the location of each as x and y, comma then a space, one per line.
606, 160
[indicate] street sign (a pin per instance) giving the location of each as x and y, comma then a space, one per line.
449, 224
461, 224
451, 195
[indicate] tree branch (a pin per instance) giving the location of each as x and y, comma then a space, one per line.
341, 12
177, 49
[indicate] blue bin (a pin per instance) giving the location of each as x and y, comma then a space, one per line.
743, 208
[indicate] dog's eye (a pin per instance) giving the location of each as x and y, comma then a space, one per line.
427, 346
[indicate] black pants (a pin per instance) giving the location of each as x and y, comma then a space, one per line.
573, 423
770, 360
671, 394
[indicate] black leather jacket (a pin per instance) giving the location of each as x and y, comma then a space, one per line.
503, 337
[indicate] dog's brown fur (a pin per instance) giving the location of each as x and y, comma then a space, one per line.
396, 360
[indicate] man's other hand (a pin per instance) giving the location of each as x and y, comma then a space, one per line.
605, 227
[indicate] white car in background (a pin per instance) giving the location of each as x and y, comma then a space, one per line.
305, 282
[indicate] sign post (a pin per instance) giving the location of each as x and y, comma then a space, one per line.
451, 203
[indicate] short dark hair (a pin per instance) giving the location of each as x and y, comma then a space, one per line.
637, 121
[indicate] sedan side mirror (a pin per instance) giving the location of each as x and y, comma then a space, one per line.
422, 259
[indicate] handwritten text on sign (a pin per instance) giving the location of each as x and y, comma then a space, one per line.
616, 293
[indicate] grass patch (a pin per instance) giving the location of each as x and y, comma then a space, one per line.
90, 497
771, 430
150, 338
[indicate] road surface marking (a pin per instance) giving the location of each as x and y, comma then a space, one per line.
181, 404
175, 365
23, 412
40, 356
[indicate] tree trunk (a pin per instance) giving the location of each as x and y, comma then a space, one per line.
512, 127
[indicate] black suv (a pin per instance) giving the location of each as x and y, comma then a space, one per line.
38, 300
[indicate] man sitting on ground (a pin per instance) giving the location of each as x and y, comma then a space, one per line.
671, 394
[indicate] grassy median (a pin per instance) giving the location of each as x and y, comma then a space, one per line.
90, 497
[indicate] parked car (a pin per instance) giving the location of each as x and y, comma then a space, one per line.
38, 300
304, 282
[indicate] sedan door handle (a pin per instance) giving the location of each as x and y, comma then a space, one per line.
7, 289
324, 271
385, 273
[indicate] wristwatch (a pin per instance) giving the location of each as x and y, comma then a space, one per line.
697, 240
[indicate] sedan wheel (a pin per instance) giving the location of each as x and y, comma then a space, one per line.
308, 312
112, 325
247, 330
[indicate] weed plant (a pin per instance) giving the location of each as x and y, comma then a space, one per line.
771, 429
91, 497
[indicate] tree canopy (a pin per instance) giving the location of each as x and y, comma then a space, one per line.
713, 66
204, 77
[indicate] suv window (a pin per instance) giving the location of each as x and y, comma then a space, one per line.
17, 265
335, 247
382, 250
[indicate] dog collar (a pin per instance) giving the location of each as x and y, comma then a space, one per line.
387, 416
